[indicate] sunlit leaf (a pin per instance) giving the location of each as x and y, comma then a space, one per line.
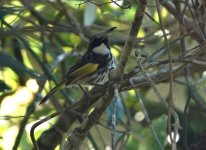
156, 17
4, 86
141, 33
160, 126
8, 10
147, 139
164, 12
19, 68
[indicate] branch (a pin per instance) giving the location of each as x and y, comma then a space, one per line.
130, 40
53, 136
186, 23
156, 76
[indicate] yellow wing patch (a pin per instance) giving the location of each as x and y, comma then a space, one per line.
83, 71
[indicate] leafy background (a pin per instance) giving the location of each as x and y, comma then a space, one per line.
40, 40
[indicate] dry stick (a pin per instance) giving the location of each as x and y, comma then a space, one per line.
79, 134
176, 125
196, 17
189, 26
161, 75
148, 119
104, 3
73, 109
170, 76
65, 121
157, 76
32, 136
40, 122
130, 41
121, 138
183, 50
185, 126
109, 128
134, 72
174, 60
73, 19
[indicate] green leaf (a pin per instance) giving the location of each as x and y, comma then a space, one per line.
3, 86
148, 140
16, 66
8, 10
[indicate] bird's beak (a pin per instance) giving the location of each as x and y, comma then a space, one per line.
108, 31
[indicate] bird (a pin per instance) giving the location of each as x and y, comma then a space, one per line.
92, 68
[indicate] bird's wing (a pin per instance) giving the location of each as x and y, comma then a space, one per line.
80, 72
72, 77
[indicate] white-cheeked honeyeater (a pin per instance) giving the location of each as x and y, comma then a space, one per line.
93, 67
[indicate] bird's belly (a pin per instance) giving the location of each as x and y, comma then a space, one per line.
95, 79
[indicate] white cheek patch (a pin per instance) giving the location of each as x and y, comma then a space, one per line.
101, 49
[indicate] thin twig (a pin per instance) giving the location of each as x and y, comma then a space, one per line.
151, 82
133, 72
131, 39
183, 50
104, 3
66, 120
185, 126
170, 103
70, 17
188, 25
148, 119
40, 122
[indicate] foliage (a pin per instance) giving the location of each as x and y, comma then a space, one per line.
41, 40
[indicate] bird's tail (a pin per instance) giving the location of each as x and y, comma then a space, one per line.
56, 88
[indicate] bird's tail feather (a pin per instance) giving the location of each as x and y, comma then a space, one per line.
56, 88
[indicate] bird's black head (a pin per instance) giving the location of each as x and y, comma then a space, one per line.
100, 40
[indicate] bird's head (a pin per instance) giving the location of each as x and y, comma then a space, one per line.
99, 42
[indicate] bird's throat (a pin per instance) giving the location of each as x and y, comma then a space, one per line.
101, 49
